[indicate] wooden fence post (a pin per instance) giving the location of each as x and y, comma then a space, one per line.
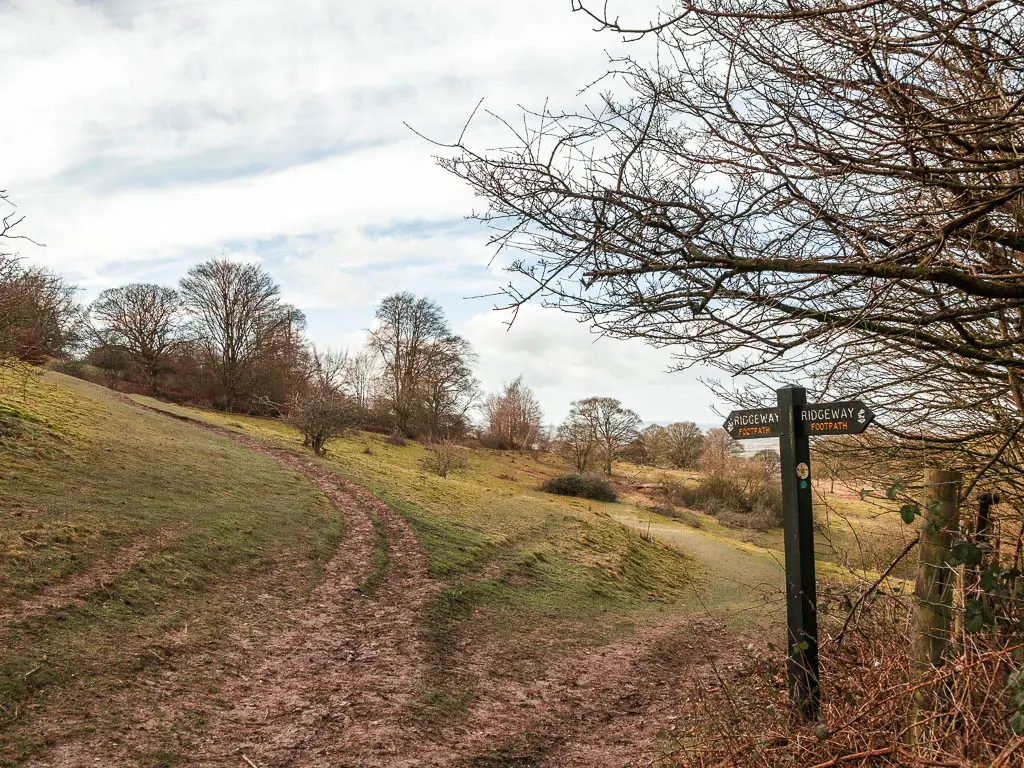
933, 590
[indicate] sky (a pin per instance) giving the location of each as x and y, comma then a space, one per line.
139, 138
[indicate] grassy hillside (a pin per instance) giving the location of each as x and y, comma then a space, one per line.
129, 542
140, 553
545, 567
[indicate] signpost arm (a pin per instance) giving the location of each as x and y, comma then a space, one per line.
798, 529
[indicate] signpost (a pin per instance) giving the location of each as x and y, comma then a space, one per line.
794, 421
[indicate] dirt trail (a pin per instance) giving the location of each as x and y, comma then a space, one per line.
338, 690
335, 689
600, 708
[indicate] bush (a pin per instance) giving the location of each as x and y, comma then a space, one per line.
582, 486
320, 415
744, 497
444, 458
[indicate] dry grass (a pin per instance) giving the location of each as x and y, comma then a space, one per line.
867, 693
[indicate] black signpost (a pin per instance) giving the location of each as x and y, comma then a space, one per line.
794, 421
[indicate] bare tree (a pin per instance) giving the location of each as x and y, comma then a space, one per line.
717, 450
577, 440
321, 410
427, 377
683, 444
829, 190
513, 417
361, 379
39, 314
329, 369
443, 458
649, 446
143, 319
236, 315
613, 426
446, 388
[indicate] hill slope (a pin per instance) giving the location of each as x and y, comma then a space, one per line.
175, 594
127, 542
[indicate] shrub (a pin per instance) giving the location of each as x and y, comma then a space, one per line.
444, 458
582, 486
743, 497
321, 414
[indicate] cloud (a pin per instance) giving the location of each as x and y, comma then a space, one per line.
142, 137
562, 360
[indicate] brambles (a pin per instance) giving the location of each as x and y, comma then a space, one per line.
740, 492
582, 486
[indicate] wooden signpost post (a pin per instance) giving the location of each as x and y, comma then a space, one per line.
794, 421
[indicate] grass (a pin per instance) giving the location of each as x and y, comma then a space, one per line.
234, 538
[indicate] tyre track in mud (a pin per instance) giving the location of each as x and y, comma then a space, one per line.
76, 589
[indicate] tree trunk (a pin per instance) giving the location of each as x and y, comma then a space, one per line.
933, 592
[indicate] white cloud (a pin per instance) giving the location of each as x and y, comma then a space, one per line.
141, 137
562, 361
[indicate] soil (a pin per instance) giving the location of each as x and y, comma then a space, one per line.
343, 684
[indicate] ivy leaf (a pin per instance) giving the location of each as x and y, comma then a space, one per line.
1017, 722
893, 490
933, 506
864, 493
908, 512
964, 552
